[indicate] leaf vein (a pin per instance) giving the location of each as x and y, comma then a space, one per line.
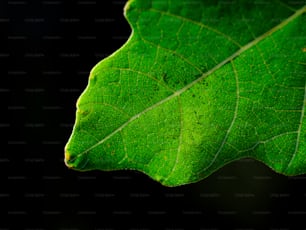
232, 122
202, 25
107, 104
299, 130
180, 139
175, 53
147, 75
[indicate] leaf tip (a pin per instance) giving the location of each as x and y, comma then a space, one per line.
77, 162
67, 159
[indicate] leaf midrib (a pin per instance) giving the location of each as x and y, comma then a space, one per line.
203, 76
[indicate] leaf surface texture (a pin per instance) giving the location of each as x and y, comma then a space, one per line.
197, 85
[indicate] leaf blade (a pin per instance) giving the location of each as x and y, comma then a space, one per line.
170, 142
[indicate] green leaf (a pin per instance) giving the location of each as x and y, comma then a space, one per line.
197, 85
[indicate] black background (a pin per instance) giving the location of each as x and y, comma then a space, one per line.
46, 55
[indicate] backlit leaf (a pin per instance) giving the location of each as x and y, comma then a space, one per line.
197, 85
